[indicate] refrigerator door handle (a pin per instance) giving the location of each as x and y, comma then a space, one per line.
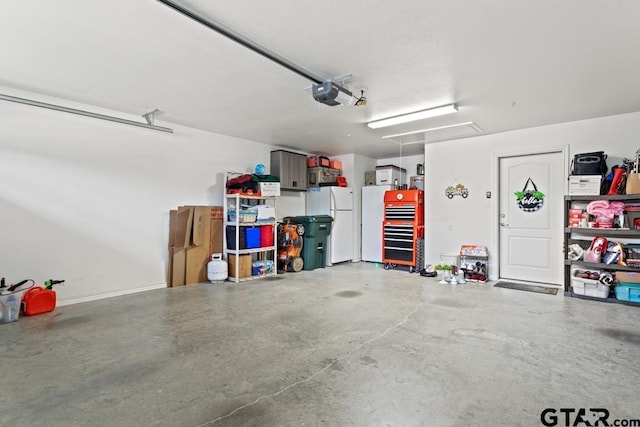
333, 206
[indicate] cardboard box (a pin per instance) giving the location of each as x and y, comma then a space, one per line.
178, 267
207, 227
183, 227
173, 218
196, 261
170, 268
628, 276
270, 188
584, 185
195, 233
244, 266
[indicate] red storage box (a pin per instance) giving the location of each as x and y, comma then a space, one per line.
317, 161
38, 300
266, 236
336, 164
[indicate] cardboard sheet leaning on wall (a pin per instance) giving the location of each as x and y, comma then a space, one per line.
195, 233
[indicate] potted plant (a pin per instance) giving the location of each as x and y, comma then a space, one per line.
442, 269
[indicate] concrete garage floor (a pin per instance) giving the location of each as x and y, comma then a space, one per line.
348, 345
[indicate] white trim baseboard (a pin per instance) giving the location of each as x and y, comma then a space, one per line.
110, 295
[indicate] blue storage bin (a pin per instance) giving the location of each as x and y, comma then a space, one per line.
628, 292
253, 237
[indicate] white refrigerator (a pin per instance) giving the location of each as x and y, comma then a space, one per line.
337, 202
372, 218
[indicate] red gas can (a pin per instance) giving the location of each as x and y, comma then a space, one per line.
38, 300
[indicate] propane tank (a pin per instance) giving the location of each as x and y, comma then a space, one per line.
217, 269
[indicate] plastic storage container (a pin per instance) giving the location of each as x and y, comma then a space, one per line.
231, 237
266, 236
245, 216
316, 231
590, 288
628, 292
9, 307
253, 237
260, 268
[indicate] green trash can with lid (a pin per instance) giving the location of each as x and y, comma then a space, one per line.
316, 232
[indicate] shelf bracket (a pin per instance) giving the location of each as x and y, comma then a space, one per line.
150, 117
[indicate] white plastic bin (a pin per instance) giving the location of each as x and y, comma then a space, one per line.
590, 288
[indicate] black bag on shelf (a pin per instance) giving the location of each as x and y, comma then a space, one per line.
589, 164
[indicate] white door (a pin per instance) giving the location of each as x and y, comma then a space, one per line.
531, 217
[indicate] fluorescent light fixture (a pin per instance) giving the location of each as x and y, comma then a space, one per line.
411, 117
471, 124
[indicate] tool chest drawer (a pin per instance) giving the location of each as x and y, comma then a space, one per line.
400, 213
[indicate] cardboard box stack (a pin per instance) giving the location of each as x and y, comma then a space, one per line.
195, 232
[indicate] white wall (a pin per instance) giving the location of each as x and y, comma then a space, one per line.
290, 203
88, 201
470, 161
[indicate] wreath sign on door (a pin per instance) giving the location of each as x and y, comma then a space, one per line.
529, 199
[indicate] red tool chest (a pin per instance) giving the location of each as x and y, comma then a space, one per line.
403, 229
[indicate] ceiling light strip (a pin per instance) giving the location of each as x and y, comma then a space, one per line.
411, 117
242, 41
82, 113
430, 130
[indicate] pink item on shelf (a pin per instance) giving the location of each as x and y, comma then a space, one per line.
575, 213
605, 208
604, 222
598, 247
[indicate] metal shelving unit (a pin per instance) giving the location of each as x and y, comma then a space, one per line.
582, 236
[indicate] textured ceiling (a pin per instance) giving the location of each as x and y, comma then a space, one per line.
507, 64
